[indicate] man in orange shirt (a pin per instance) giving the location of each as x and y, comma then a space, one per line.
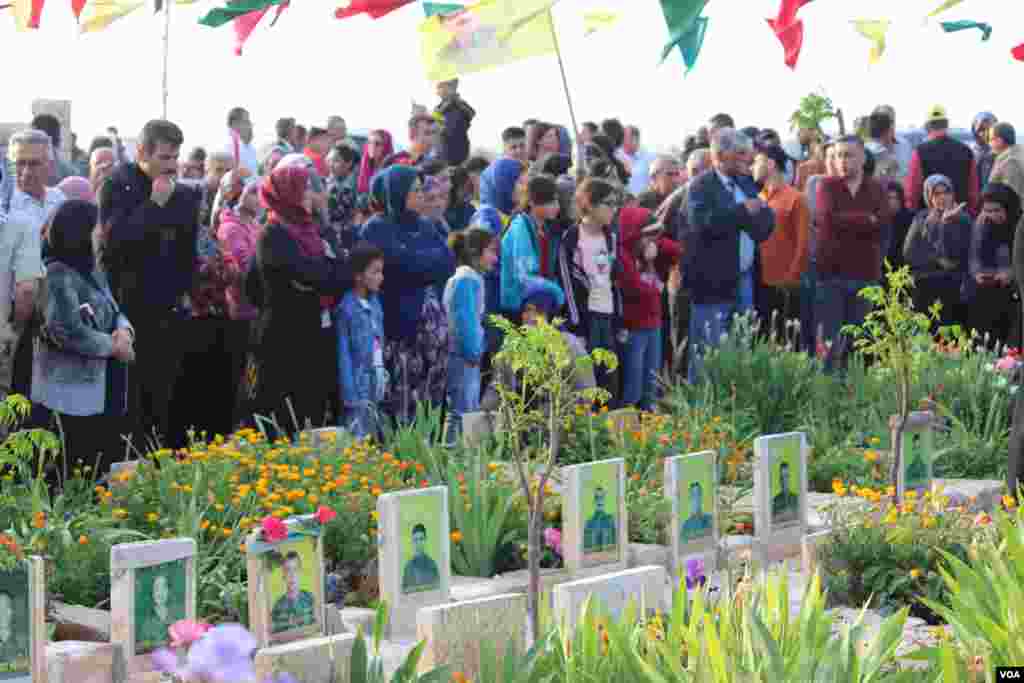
783, 256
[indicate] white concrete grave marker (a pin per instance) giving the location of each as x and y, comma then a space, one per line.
918, 450
414, 554
23, 622
595, 529
153, 585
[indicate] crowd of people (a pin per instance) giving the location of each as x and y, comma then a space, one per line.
329, 282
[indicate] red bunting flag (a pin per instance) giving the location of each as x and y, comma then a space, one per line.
27, 13
77, 6
789, 30
375, 8
1018, 52
246, 24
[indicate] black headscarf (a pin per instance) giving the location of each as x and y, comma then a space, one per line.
1007, 197
70, 240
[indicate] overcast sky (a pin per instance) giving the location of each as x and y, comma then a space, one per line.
311, 65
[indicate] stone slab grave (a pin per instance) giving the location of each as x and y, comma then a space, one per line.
152, 585
691, 483
414, 554
780, 496
810, 549
595, 529
314, 660
915, 474
23, 622
83, 662
646, 587
286, 583
454, 633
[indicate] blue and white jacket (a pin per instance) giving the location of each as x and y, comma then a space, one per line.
465, 305
360, 327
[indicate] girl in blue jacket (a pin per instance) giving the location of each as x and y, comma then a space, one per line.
476, 251
524, 248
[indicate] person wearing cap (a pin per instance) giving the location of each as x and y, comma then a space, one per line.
1009, 165
784, 254
458, 117
942, 154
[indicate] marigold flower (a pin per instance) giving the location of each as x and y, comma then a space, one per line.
1009, 502
39, 520
152, 517
915, 573
456, 536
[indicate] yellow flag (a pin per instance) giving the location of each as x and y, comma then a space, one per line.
99, 14
485, 35
874, 30
597, 20
943, 7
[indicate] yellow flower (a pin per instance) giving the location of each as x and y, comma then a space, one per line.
910, 495
152, 517
313, 499
871, 456
456, 536
120, 513
374, 515
1009, 502
493, 467
39, 520
205, 524
915, 573
226, 531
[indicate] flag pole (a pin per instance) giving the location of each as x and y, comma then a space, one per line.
565, 81
167, 49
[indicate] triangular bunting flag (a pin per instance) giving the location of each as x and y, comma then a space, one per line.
875, 31
680, 17
789, 30
948, 4
597, 20
246, 24
692, 42
432, 8
375, 8
99, 14
27, 13
954, 26
219, 16
76, 8
1018, 52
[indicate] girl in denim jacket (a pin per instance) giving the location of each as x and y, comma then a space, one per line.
359, 322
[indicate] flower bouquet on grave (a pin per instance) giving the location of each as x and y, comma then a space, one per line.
274, 530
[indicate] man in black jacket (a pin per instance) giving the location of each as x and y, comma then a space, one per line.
151, 225
458, 116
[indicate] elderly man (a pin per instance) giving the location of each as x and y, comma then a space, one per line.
666, 177
727, 221
1008, 168
851, 214
28, 204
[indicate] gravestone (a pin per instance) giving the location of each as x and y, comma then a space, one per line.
314, 660
595, 532
811, 548
645, 587
691, 483
414, 554
918, 450
780, 496
152, 586
23, 622
454, 633
286, 583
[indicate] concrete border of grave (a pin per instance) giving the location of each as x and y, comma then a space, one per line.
126, 560
576, 479
698, 470
312, 660
34, 670
454, 632
918, 439
780, 523
402, 583
301, 530
647, 587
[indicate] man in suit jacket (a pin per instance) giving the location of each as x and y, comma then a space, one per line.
726, 222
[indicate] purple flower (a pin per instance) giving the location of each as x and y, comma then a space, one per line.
695, 573
223, 655
553, 539
281, 678
165, 661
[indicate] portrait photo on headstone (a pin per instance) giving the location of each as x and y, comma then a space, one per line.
695, 501
599, 503
292, 572
420, 529
159, 602
15, 624
785, 483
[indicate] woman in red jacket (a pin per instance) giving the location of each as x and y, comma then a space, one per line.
647, 257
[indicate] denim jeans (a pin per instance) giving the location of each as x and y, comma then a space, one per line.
708, 322
601, 335
642, 360
808, 298
362, 420
463, 395
837, 304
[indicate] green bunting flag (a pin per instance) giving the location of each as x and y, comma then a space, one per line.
685, 30
432, 8
965, 25
233, 9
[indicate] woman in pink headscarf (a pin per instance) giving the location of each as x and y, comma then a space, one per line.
77, 187
378, 148
290, 377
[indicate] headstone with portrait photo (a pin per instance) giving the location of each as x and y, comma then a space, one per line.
918, 451
691, 484
780, 495
286, 583
23, 622
152, 586
414, 554
594, 519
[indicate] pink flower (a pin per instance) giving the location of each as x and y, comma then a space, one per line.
325, 514
274, 529
1007, 363
983, 519
185, 632
553, 539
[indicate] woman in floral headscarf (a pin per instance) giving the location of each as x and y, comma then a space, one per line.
290, 378
378, 147
417, 264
